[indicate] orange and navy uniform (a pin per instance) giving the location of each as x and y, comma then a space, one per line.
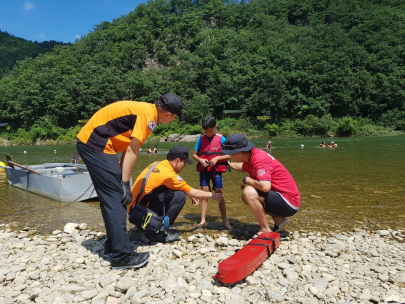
209, 149
111, 128
162, 178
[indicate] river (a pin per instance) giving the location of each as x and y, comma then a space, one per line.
361, 183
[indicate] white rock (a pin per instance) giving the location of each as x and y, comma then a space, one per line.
398, 278
125, 283
275, 296
306, 270
365, 296
251, 281
82, 226
206, 293
177, 253
204, 250
112, 300
284, 265
332, 291
383, 277
233, 242
34, 276
383, 232
89, 294
191, 238
195, 294
70, 227
313, 289
222, 241
390, 298
328, 277
79, 260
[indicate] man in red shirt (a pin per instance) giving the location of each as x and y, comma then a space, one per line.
269, 187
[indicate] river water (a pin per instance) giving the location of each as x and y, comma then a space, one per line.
361, 183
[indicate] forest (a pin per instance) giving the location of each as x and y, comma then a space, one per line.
13, 49
261, 67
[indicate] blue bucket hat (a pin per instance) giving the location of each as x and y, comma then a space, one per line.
237, 143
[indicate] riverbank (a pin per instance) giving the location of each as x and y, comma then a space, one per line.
192, 137
171, 138
308, 267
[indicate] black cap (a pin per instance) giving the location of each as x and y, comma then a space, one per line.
235, 144
172, 103
179, 152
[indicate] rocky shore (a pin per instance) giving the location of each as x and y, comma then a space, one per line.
308, 267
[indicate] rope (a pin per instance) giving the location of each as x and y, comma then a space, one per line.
83, 193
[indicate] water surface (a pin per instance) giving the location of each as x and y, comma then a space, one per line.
358, 184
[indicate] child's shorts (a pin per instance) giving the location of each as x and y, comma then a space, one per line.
216, 178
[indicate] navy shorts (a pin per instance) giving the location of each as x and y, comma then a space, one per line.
216, 178
274, 203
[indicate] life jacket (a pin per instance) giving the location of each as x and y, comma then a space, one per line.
211, 148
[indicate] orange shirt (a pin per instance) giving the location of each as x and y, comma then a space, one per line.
111, 128
162, 178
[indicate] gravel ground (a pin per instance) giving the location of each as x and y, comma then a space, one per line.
308, 267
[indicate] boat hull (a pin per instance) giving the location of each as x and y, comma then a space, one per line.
70, 184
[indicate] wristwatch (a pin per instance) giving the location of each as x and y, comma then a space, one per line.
244, 179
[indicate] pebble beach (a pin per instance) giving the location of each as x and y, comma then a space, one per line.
66, 266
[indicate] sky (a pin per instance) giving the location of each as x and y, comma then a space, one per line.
59, 20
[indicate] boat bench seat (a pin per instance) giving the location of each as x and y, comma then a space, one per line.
71, 173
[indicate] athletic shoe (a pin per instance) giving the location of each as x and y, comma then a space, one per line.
282, 226
107, 256
163, 237
134, 260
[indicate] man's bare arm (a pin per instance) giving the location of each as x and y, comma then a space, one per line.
129, 159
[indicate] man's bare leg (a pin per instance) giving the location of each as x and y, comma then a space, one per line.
251, 198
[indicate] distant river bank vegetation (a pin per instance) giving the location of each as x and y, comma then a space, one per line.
46, 133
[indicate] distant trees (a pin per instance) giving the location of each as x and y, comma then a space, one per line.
312, 61
13, 49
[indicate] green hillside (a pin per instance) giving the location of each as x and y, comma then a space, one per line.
13, 49
306, 63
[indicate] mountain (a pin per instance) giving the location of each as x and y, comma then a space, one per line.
13, 49
283, 59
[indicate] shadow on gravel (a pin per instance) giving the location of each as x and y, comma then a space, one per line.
241, 231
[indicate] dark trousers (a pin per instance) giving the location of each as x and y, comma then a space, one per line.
172, 200
106, 175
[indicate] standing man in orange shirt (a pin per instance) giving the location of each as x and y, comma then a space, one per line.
122, 126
